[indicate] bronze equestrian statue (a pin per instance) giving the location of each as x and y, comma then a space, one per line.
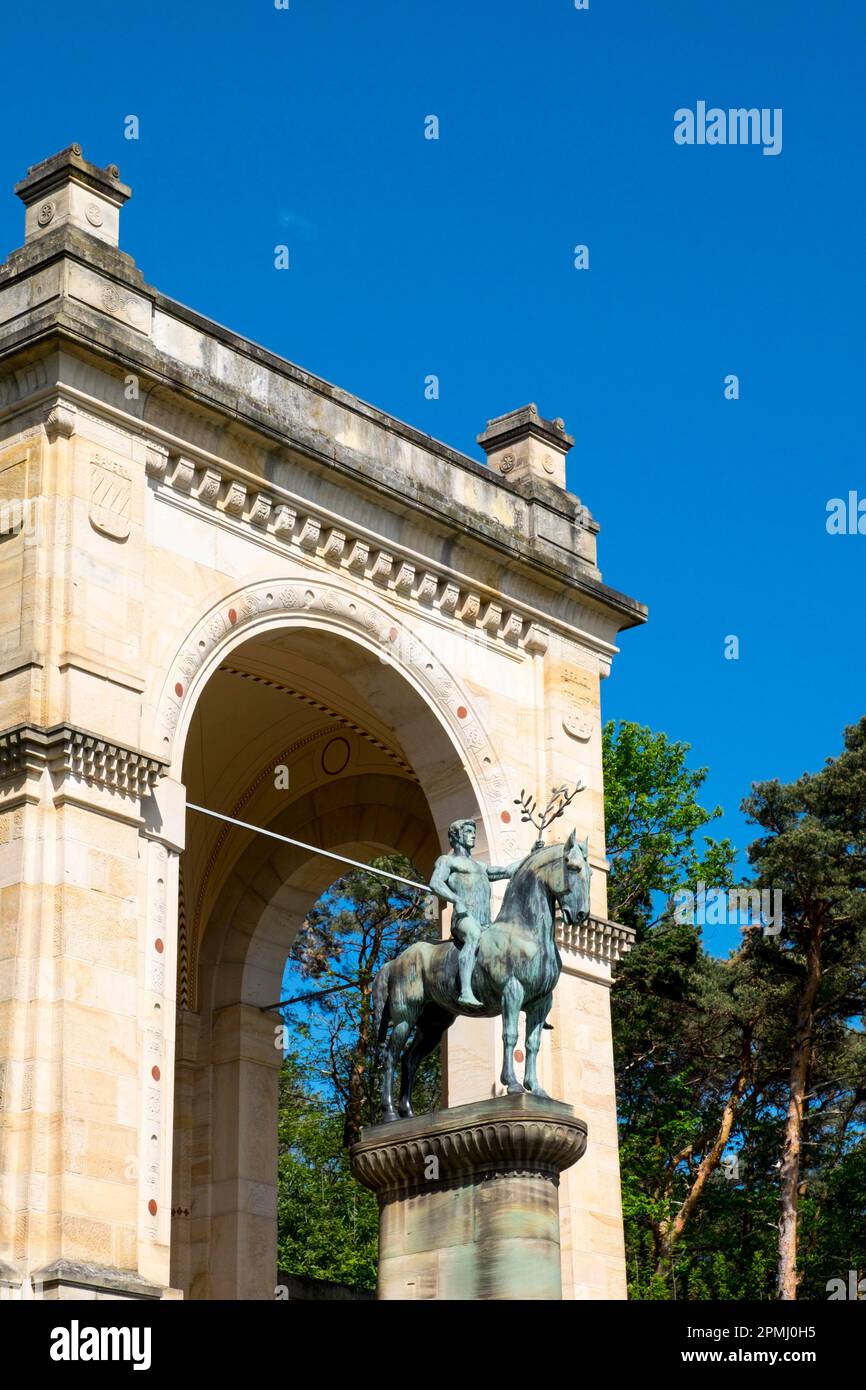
509, 965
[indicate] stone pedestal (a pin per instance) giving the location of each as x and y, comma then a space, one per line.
469, 1199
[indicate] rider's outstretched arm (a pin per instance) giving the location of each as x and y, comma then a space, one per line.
495, 871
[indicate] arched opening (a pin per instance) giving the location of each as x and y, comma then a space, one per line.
330, 1079
311, 735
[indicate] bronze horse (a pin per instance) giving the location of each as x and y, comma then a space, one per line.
517, 968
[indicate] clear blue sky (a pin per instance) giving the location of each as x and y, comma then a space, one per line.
260, 126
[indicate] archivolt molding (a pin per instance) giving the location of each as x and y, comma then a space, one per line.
269, 605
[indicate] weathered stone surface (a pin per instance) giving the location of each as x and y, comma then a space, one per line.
63, 1280
468, 1199
522, 445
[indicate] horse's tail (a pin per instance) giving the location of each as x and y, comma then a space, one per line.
382, 1002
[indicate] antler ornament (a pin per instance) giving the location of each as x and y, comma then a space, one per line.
560, 799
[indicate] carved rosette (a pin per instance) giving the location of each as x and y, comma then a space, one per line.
405, 579
308, 536
492, 617
359, 554
448, 601
334, 545
508, 1137
207, 486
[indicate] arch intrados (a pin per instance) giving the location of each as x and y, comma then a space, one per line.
242, 961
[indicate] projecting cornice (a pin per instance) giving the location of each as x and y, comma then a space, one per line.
312, 534
27, 750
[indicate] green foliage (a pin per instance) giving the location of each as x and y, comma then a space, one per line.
361, 922
327, 1222
696, 1037
652, 818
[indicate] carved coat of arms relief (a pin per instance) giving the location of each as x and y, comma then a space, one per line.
110, 498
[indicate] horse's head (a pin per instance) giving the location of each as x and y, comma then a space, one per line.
552, 874
568, 879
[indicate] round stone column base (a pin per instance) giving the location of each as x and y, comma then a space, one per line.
469, 1199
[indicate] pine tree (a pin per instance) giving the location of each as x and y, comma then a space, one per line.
814, 852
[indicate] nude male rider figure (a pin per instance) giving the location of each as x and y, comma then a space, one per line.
460, 880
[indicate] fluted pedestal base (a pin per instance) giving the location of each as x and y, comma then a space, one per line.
469, 1199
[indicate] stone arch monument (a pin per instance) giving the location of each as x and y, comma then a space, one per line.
213, 565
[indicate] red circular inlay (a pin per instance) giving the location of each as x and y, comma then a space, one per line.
155, 1073
178, 689
158, 945
462, 711
392, 635
152, 1207
518, 1055
233, 617
505, 817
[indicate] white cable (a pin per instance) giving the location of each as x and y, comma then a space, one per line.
314, 849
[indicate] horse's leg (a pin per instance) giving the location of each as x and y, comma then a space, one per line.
428, 1030
392, 1050
534, 1024
512, 999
